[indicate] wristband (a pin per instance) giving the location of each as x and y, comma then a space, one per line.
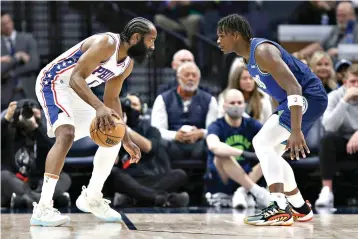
294, 100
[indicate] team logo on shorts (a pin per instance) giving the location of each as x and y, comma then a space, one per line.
305, 105
259, 82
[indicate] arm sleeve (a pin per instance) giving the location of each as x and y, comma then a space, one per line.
160, 119
332, 117
34, 62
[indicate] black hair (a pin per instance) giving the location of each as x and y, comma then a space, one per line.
235, 23
136, 25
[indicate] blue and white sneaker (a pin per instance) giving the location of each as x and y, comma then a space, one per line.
47, 216
97, 206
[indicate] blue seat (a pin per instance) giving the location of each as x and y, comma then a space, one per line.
82, 152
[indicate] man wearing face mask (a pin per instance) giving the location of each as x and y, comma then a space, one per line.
152, 182
230, 141
182, 114
24, 145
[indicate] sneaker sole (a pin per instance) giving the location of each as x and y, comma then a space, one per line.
35, 222
110, 219
302, 217
289, 222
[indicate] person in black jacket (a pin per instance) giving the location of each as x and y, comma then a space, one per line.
151, 182
24, 145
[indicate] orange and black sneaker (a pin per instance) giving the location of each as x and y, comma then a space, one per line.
271, 216
302, 214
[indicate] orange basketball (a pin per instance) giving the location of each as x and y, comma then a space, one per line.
108, 138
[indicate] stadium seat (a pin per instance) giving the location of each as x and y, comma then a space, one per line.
82, 152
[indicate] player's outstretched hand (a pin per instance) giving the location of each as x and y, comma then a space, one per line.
105, 121
133, 150
297, 143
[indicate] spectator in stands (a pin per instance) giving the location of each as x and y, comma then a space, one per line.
314, 13
258, 104
151, 182
230, 141
19, 62
341, 68
322, 65
180, 16
341, 142
179, 58
24, 146
183, 113
346, 31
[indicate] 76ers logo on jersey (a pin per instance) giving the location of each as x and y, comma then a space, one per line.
103, 73
259, 82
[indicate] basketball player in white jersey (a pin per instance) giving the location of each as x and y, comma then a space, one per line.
63, 89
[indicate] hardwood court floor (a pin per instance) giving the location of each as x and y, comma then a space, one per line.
178, 225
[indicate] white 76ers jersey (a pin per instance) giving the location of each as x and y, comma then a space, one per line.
62, 67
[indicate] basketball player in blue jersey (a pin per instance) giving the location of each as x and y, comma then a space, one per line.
63, 90
302, 100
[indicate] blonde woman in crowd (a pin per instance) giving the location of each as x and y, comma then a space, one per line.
322, 65
258, 103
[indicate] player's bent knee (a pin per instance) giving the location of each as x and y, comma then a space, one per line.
65, 134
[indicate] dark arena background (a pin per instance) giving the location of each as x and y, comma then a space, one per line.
176, 190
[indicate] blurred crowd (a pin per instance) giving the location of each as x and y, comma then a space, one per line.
187, 127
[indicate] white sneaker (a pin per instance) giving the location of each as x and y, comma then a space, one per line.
325, 198
97, 206
239, 198
47, 216
263, 198
250, 201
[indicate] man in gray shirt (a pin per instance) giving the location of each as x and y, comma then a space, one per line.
341, 122
346, 31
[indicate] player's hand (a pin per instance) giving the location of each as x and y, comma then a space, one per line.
352, 145
10, 111
351, 93
105, 121
133, 150
297, 143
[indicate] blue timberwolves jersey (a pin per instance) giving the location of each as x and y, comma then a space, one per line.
305, 77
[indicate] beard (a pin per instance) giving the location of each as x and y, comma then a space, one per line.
186, 87
139, 52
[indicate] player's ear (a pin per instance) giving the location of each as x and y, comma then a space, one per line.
135, 38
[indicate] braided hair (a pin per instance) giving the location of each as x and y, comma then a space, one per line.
235, 23
136, 25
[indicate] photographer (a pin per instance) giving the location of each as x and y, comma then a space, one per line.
24, 144
151, 181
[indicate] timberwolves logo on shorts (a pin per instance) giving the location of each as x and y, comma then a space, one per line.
305, 105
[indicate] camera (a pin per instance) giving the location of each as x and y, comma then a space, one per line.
26, 110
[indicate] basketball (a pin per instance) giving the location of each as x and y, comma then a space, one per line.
107, 138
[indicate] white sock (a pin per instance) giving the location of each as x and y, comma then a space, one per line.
280, 198
48, 188
102, 165
255, 190
296, 200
